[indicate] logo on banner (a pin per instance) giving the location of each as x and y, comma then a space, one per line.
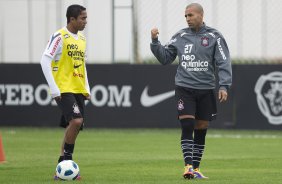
269, 96
148, 101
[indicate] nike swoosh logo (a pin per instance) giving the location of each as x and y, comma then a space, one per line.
182, 34
148, 101
76, 66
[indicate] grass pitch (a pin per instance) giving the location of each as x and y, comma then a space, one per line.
142, 156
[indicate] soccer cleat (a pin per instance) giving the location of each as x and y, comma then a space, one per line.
188, 172
198, 174
78, 177
56, 177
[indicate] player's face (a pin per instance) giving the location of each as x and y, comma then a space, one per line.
81, 21
194, 17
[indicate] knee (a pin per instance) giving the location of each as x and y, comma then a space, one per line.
77, 122
181, 117
202, 125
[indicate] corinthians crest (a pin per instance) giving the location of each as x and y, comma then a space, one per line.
205, 41
75, 108
269, 96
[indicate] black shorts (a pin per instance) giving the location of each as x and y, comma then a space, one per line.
197, 102
72, 107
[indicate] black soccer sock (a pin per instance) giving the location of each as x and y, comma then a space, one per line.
68, 151
61, 158
187, 126
199, 146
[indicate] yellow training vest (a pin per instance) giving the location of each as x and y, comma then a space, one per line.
69, 71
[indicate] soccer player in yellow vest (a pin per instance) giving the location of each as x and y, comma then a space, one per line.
63, 65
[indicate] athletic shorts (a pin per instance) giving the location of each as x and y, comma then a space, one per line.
72, 107
200, 103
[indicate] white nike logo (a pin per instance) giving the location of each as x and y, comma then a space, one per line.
182, 34
148, 101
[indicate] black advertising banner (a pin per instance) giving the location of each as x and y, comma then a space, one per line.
131, 96
140, 96
121, 96
24, 98
258, 96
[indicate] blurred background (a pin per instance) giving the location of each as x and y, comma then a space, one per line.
118, 32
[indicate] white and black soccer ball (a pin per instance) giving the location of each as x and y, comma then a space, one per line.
67, 170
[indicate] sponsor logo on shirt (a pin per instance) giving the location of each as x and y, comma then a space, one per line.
75, 53
78, 75
189, 62
220, 49
212, 35
192, 65
182, 34
76, 66
55, 46
53, 38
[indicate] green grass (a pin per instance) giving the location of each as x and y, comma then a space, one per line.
142, 156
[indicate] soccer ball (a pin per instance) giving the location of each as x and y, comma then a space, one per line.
67, 170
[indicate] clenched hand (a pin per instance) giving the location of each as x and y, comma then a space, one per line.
154, 33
